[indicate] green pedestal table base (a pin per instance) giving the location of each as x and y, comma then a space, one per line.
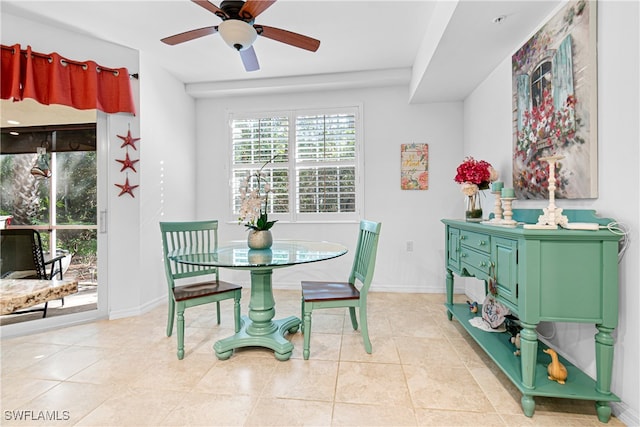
269, 335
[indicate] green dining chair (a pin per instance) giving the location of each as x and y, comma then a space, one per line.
351, 294
194, 237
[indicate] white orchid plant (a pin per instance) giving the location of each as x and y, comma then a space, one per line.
252, 214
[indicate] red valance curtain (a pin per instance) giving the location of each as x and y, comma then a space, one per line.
52, 79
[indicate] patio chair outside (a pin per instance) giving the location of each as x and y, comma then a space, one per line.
23, 258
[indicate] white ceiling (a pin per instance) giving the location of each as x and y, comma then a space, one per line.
444, 47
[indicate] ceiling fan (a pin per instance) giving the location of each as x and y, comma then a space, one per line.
239, 31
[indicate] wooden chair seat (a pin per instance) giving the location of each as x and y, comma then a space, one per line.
197, 290
329, 291
323, 294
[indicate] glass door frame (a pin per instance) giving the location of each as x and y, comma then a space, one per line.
49, 323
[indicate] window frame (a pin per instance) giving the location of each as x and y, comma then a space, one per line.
539, 82
292, 113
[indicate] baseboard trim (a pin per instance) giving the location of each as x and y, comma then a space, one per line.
624, 413
136, 311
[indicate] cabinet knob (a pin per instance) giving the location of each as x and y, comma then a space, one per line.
483, 264
482, 243
463, 255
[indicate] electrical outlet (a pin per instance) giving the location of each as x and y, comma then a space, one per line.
410, 246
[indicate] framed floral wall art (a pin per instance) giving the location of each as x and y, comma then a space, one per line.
554, 88
414, 166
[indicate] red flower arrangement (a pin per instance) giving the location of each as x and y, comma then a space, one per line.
475, 175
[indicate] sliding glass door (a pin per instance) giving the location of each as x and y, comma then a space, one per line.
49, 182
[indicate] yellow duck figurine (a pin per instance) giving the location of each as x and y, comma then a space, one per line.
556, 370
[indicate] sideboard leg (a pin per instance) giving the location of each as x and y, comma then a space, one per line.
449, 280
528, 405
604, 359
604, 411
528, 354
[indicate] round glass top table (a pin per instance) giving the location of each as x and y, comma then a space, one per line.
258, 328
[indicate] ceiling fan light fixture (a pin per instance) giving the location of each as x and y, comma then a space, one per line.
238, 34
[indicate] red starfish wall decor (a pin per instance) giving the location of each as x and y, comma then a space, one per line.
126, 188
128, 140
128, 163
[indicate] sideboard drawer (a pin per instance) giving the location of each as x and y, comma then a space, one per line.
479, 262
481, 242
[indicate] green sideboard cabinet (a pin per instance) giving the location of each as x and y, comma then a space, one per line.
541, 275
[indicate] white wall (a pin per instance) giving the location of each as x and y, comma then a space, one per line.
487, 134
405, 215
168, 149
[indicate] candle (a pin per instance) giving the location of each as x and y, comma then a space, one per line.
508, 193
497, 186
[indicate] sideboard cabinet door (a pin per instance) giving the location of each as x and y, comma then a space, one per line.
453, 249
504, 254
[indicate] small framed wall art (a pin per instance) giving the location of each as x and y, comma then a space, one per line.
414, 166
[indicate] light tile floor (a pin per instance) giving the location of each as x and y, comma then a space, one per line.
424, 371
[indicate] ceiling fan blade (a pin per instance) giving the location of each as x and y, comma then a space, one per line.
212, 8
189, 35
253, 8
288, 37
249, 59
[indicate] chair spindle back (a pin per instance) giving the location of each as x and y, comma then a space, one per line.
190, 238
364, 261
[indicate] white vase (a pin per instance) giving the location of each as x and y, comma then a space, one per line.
259, 239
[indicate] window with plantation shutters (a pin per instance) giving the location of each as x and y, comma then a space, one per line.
257, 142
308, 159
325, 163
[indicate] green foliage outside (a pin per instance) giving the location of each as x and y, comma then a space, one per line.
27, 198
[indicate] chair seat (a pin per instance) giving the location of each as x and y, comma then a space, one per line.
329, 291
203, 289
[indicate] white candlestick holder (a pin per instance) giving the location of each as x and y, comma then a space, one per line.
552, 215
497, 207
508, 211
